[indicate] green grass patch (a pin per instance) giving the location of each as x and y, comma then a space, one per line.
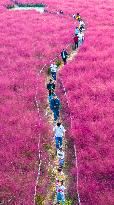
58, 62
39, 199
26, 6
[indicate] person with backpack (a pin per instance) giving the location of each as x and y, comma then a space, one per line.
51, 88
55, 106
59, 131
53, 69
64, 56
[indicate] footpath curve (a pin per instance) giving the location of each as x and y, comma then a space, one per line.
49, 197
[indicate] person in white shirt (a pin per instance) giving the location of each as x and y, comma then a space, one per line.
53, 68
59, 130
61, 156
82, 25
74, 16
81, 38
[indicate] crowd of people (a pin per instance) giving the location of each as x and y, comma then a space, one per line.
54, 102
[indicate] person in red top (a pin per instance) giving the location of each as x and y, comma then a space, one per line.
76, 41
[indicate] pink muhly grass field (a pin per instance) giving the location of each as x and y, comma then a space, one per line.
28, 40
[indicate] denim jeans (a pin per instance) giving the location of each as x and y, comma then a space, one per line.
60, 198
76, 45
56, 114
53, 75
58, 141
61, 162
50, 98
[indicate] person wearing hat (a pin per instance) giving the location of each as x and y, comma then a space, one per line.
60, 155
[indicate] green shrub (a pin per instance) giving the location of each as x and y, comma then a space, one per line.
58, 62
47, 147
68, 202
39, 200
10, 6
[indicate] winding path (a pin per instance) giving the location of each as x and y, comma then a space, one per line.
50, 199
51, 196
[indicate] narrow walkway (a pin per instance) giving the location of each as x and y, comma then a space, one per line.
50, 199
53, 165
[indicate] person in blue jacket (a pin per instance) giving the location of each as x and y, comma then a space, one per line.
55, 106
77, 31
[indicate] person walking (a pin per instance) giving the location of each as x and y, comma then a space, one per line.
60, 176
64, 55
55, 106
78, 17
53, 68
74, 16
81, 25
59, 131
61, 156
61, 12
60, 188
76, 41
77, 31
80, 38
51, 88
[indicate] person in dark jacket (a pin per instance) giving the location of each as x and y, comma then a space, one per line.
51, 88
64, 55
76, 41
55, 106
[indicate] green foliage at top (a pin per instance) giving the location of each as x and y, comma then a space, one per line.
26, 5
